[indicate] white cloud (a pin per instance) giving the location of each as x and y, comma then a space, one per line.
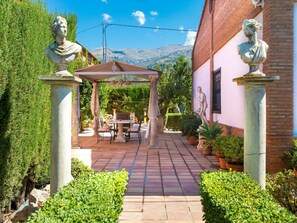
140, 17
154, 13
191, 36
104, 1
106, 17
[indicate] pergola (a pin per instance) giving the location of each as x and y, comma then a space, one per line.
100, 72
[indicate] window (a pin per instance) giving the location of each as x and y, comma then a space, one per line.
210, 5
216, 101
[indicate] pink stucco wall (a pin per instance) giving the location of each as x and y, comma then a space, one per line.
201, 78
232, 96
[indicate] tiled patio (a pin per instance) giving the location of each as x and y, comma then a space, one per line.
163, 183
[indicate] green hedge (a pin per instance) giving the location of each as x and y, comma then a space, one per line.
24, 100
173, 121
91, 198
283, 186
236, 197
78, 168
126, 98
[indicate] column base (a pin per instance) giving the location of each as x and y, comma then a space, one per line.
153, 146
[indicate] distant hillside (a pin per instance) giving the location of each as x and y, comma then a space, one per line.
146, 57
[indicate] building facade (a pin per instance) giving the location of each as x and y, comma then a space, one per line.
216, 62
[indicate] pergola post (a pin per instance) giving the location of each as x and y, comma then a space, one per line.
75, 118
153, 112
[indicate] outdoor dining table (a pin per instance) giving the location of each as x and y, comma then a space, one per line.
120, 123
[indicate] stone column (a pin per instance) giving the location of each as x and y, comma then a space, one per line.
255, 124
152, 113
61, 99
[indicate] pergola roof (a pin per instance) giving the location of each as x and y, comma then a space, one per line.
115, 68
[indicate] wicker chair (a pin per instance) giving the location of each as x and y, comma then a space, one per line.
104, 128
136, 130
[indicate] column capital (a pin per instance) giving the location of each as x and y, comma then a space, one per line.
253, 80
67, 80
153, 77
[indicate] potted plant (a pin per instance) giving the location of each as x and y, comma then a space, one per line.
209, 133
290, 157
234, 152
189, 127
218, 148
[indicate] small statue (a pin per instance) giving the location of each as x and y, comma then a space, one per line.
259, 3
254, 51
61, 52
203, 105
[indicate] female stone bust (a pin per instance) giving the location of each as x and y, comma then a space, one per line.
254, 51
61, 52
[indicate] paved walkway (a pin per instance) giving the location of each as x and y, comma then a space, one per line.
163, 183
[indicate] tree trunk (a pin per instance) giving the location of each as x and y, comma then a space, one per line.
21, 196
160, 124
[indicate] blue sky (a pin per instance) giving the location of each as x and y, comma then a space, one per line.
175, 14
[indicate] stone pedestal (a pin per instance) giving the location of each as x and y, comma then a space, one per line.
84, 155
201, 142
61, 99
255, 124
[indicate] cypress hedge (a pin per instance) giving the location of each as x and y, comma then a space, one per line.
24, 100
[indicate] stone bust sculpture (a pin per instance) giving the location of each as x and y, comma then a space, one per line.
203, 105
259, 3
254, 51
61, 52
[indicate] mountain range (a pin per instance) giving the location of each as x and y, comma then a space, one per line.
146, 57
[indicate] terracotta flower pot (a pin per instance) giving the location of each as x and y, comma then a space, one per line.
223, 162
193, 140
207, 151
234, 166
218, 154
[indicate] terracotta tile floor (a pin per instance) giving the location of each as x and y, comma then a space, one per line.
163, 183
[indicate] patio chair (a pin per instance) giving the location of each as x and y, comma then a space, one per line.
104, 128
136, 130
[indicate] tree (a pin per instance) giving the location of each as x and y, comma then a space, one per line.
175, 85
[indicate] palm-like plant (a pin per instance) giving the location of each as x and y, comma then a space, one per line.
210, 132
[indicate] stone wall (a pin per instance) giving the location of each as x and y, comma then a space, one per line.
278, 33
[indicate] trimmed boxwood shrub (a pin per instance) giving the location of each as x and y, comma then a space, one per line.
93, 198
283, 186
236, 197
78, 168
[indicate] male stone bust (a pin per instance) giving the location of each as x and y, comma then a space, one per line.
254, 51
61, 52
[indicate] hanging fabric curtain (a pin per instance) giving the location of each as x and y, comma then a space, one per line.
95, 109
